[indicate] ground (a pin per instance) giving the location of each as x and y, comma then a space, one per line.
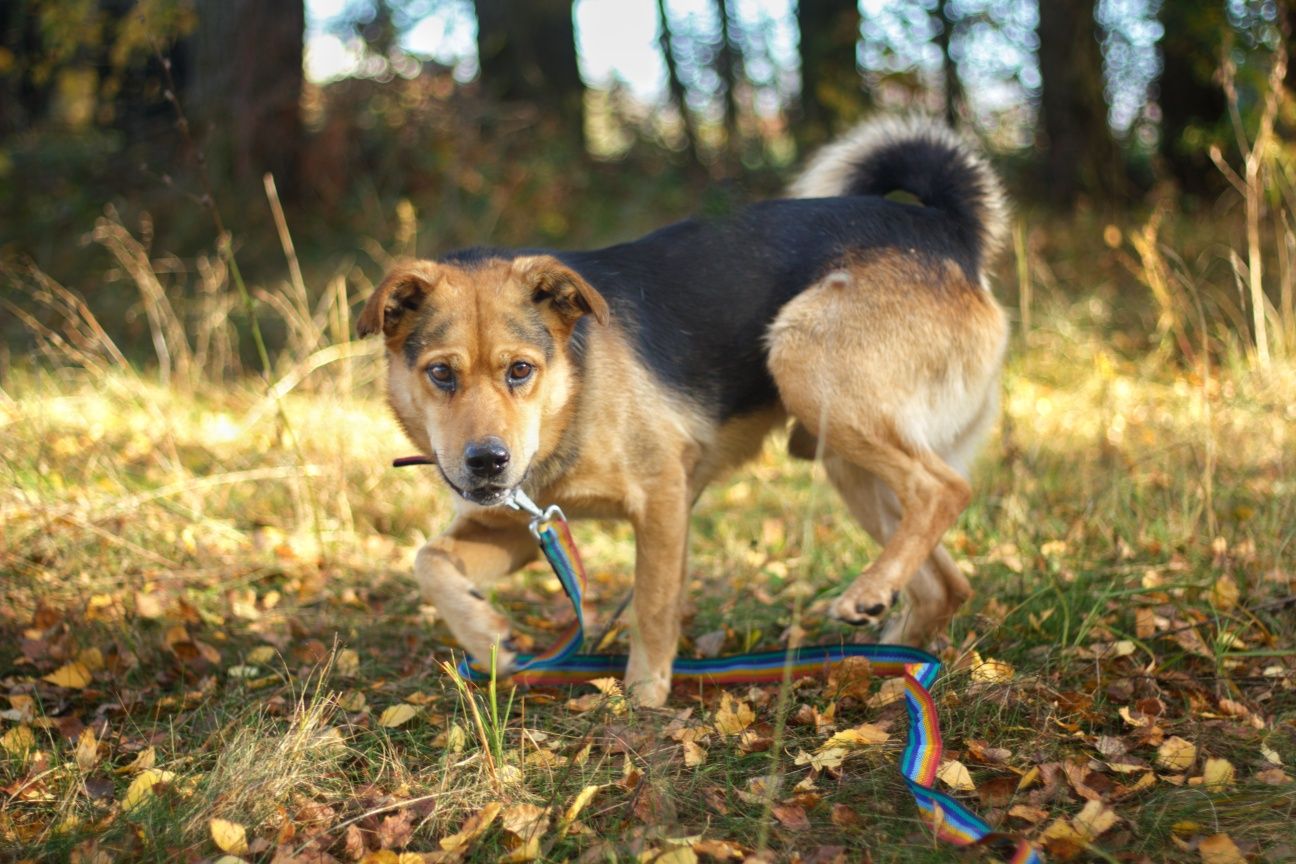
212, 644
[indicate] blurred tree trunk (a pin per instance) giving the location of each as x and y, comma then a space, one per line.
832, 92
23, 102
1192, 102
1080, 156
727, 67
954, 96
245, 87
527, 53
678, 94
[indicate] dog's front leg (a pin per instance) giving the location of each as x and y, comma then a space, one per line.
661, 541
451, 572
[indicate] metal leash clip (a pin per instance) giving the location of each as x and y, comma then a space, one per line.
520, 501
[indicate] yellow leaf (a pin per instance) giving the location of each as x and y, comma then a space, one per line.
352, 700
261, 654
832, 757
955, 775
526, 850
992, 671
18, 741
1216, 774
92, 659
607, 686
694, 754
864, 735
1224, 594
1270, 755
733, 717
472, 828
527, 821
1176, 754
578, 804
1220, 849
397, 715
230, 836
678, 855
143, 761
347, 662
74, 676
382, 856
892, 690
87, 750
141, 788
1094, 820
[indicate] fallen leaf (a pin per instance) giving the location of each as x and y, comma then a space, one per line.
1094, 820
1026, 812
792, 816
864, 735
397, 715
733, 716
526, 821
578, 804
1224, 594
1216, 774
230, 836
347, 663
694, 754
141, 788
720, 850
144, 760
74, 676
1270, 755
1176, 754
677, 855
844, 817
833, 757
18, 741
472, 828
992, 671
87, 750
954, 774
1220, 849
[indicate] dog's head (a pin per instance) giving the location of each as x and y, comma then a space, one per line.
479, 364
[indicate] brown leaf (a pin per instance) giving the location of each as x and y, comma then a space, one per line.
997, 791
844, 817
792, 816
472, 828
719, 850
526, 821
852, 677
395, 831
354, 843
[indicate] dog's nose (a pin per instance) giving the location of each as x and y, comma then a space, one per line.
487, 457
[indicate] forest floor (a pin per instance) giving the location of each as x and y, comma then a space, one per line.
211, 644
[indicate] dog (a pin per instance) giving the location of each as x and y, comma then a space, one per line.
619, 382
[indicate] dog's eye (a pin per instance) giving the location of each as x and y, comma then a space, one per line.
520, 371
442, 376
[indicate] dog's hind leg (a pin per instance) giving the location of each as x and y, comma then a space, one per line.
451, 572
937, 587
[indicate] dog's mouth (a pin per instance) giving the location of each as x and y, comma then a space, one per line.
484, 495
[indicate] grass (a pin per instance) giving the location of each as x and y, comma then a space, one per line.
212, 642
236, 585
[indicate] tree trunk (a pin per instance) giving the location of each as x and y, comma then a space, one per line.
832, 93
527, 53
1080, 156
1193, 105
954, 97
245, 87
678, 94
727, 67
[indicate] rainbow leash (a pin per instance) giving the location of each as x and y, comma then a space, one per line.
562, 664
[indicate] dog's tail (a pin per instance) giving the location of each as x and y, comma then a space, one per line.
919, 156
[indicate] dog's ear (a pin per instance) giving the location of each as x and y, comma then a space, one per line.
402, 291
561, 287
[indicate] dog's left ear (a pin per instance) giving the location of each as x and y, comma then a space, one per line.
554, 283
402, 291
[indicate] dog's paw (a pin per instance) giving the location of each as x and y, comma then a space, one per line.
863, 604
648, 692
480, 634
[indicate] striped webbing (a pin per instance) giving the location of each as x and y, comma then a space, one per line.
561, 664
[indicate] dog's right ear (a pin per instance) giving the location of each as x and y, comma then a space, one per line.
404, 290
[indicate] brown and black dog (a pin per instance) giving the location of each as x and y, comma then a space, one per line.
619, 382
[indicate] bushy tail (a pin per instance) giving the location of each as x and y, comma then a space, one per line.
917, 155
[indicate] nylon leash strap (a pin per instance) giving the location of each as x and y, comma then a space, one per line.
562, 664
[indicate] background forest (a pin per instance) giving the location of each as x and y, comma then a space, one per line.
211, 647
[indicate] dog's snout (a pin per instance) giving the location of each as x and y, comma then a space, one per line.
487, 457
